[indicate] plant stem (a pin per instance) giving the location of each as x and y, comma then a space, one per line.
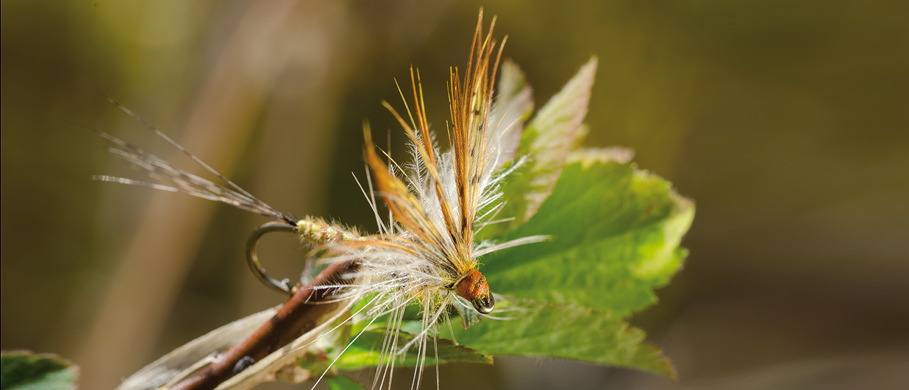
299, 314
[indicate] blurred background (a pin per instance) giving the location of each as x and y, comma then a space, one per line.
787, 123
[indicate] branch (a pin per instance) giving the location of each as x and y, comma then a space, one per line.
297, 316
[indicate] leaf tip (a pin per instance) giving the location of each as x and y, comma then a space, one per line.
28, 369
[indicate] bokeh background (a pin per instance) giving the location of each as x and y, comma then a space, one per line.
787, 122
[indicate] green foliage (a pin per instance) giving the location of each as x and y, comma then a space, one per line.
342, 383
614, 233
365, 352
543, 329
613, 237
26, 371
546, 142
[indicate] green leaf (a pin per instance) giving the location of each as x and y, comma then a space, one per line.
513, 94
341, 382
566, 331
366, 352
614, 233
548, 139
614, 237
512, 106
27, 371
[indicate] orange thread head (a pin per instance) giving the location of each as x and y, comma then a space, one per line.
474, 288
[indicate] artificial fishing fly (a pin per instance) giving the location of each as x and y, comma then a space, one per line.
426, 253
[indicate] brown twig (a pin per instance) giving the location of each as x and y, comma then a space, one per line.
297, 316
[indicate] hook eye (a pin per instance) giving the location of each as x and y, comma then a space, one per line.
253, 260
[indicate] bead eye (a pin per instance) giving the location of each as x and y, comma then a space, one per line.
484, 304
